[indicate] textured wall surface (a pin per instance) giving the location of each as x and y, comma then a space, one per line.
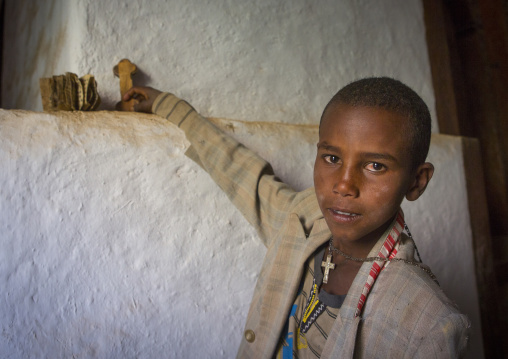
253, 60
115, 245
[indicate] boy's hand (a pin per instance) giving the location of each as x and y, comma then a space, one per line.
144, 96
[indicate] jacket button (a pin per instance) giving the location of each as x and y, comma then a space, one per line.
250, 336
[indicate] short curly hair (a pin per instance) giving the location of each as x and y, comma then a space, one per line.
391, 95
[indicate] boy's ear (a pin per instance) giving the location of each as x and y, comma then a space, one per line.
421, 179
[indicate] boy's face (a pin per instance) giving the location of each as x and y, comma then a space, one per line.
363, 171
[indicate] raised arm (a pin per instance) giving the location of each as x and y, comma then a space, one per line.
246, 178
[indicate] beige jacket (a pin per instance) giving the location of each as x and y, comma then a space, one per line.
406, 315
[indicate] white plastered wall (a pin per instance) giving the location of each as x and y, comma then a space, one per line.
98, 253
115, 245
251, 60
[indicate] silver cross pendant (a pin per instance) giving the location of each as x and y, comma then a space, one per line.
327, 266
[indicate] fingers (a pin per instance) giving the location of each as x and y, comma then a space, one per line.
135, 92
142, 106
140, 99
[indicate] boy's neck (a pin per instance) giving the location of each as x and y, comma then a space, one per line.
361, 248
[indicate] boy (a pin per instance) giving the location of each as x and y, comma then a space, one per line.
339, 278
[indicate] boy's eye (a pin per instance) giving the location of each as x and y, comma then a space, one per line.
375, 167
331, 158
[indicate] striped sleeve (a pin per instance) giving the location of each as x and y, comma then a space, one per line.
246, 178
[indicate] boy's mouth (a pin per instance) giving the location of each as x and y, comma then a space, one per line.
343, 215
336, 211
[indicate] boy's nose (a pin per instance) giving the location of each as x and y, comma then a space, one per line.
346, 183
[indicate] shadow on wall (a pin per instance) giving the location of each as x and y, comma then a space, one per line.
2, 14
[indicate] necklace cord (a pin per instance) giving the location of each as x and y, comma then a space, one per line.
331, 248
